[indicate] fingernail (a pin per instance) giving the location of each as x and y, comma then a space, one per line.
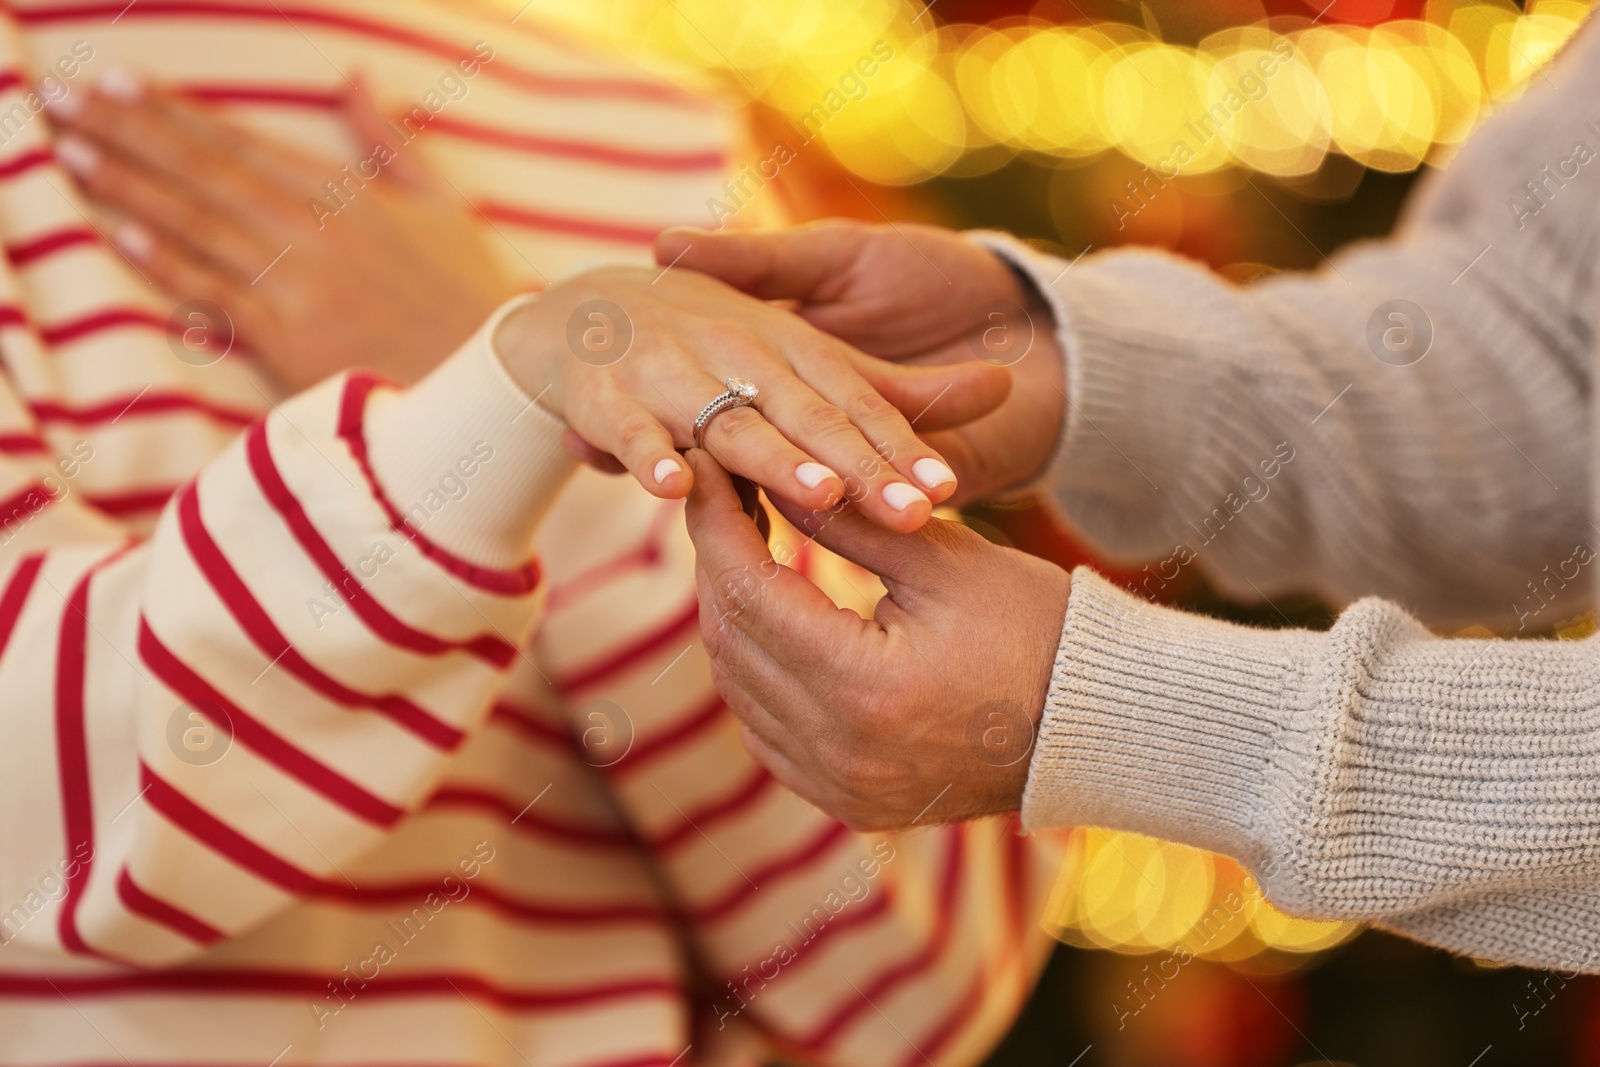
77, 155
134, 240
665, 469
901, 495
932, 473
65, 104
812, 475
119, 84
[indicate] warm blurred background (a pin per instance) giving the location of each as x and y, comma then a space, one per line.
1084, 124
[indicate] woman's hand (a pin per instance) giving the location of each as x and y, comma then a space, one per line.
392, 275
629, 357
916, 295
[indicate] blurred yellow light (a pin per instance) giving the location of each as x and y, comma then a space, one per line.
966, 98
1064, 64
1284, 131
1289, 934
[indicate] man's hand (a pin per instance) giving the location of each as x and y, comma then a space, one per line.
318, 269
924, 713
830, 424
912, 294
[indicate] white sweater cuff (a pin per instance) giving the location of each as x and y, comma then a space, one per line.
469, 459
1165, 723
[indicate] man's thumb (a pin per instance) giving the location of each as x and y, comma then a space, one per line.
793, 264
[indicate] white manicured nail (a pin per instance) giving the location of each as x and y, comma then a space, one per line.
812, 475
77, 155
119, 84
135, 241
665, 469
901, 495
932, 473
64, 104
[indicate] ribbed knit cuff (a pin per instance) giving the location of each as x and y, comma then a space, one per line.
469, 416
1165, 723
1146, 438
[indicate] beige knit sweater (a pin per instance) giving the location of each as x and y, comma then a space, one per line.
1448, 789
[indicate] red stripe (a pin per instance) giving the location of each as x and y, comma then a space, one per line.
180, 922
949, 893
313, 774
320, 99
12, 315
584, 151
99, 322
645, 555
258, 625
712, 714
25, 252
16, 595
614, 663
147, 403
26, 162
663, 1059
303, 985
23, 500
758, 785
10, 79
489, 648
413, 895
295, 16
23, 444
597, 229
620, 156
950, 1024
534, 821
228, 842
352, 430
220, 837
544, 733
774, 871
72, 753
137, 502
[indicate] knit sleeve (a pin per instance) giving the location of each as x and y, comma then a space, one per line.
1443, 788
207, 725
1409, 421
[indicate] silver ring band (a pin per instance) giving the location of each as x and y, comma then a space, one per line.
741, 393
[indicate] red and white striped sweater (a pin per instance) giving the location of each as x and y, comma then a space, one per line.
281, 784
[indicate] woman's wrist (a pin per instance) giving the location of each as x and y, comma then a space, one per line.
529, 347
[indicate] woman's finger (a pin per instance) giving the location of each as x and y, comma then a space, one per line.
825, 430
739, 438
163, 209
745, 443
890, 445
633, 434
590, 456
179, 273
371, 129
198, 154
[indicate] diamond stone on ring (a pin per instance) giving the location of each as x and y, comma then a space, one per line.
742, 392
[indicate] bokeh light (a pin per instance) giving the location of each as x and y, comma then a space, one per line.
1390, 97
